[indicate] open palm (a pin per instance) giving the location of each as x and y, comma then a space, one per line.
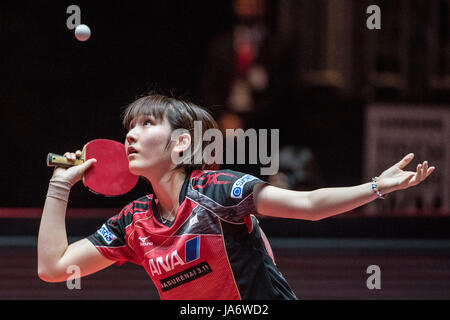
395, 178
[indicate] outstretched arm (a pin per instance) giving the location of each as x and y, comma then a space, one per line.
326, 202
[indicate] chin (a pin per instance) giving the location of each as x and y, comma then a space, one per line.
139, 170
134, 169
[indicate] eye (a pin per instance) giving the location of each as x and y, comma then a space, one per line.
149, 121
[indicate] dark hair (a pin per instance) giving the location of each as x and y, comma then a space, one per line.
180, 114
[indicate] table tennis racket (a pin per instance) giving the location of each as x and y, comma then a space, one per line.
110, 175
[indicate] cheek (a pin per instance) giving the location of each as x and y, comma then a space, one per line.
156, 145
153, 145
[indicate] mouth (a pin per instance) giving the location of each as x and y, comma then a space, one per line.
131, 151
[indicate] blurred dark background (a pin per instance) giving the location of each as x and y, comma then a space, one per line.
349, 101
308, 68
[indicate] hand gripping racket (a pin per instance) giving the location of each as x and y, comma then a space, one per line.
110, 176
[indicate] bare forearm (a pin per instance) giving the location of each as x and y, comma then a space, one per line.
328, 202
311, 205
54, 253
322, 203
52, 239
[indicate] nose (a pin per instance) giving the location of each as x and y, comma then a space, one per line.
131, 136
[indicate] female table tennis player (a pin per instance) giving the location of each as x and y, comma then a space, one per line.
196, 235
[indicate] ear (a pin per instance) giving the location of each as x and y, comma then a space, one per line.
182, 142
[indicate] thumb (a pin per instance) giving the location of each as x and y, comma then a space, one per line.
405, 161
75, 173
87, 164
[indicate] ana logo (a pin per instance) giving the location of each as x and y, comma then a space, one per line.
172, 259
144, 241
238, 186
106, 234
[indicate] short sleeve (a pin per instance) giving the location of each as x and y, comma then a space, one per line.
110, 238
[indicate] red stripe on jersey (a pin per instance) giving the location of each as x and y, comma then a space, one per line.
181, 266
141, 202
208, 276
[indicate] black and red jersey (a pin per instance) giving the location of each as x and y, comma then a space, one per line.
214, 249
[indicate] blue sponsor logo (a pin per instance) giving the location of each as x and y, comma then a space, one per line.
238, 186
237, 191
106, 234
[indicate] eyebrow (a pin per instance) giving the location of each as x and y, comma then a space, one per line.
142, 117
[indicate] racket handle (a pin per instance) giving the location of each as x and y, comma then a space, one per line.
56, 160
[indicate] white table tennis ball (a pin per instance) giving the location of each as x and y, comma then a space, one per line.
82, 32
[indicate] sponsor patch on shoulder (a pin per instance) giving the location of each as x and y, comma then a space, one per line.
106, 234
238, 186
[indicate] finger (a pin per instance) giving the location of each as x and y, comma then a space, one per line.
424, 170
69, 156
72, 156
430, 170
86, 165
419, 172
414, 177
405, 161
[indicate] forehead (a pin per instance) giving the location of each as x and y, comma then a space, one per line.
142, 108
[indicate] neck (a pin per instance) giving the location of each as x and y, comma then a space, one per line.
167, 188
